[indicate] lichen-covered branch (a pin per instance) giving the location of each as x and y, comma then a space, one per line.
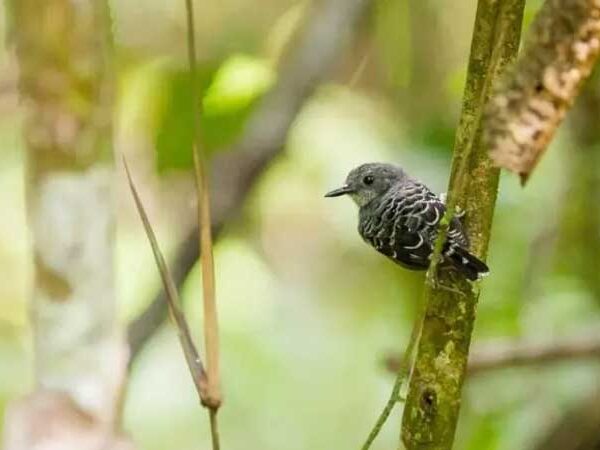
66, 85
560, 52
434, 392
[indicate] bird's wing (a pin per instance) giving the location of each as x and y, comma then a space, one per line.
404, 226
401, 226
420, 210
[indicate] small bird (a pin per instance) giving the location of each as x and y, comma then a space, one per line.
399, 217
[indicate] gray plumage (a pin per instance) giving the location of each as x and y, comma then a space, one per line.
399, 217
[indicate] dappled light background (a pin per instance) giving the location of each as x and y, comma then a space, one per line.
309, 313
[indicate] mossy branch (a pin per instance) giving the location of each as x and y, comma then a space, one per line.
434, 391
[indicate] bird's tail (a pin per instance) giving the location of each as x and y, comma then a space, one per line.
470, 266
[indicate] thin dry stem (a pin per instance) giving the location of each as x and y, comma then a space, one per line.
189, 349
402, 370
214, 429
211, 331
329, 27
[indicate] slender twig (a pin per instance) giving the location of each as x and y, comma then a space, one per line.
211, 327
460, 178
143, 327
309, 60
214, 428
189, 349
211, 330
402, 370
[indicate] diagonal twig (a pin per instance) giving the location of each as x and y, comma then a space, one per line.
402, 369
192, 357
235, 172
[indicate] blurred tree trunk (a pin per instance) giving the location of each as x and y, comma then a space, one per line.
578, 247
66, 85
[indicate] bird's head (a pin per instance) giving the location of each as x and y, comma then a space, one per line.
368, 182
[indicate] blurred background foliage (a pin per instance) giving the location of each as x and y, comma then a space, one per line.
308, 312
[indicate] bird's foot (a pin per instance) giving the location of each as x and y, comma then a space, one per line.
459, 213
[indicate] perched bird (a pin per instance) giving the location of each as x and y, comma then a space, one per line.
399, 216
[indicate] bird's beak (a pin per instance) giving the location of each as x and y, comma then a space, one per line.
341, 191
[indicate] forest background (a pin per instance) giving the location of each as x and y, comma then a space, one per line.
312, 319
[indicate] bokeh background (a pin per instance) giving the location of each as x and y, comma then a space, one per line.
309, 313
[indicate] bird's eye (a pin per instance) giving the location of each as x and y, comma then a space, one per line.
368, 180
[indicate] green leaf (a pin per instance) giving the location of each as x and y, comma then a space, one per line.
229, 95
174, 132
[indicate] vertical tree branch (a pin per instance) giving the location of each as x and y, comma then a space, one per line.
433, 401
66, 86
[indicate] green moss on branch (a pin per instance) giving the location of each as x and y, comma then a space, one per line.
433, 401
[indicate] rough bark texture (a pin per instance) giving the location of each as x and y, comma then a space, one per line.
63, 49
433, 402
562, 47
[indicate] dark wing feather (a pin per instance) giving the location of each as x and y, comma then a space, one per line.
403, 226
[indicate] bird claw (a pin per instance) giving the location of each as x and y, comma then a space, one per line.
459, 213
